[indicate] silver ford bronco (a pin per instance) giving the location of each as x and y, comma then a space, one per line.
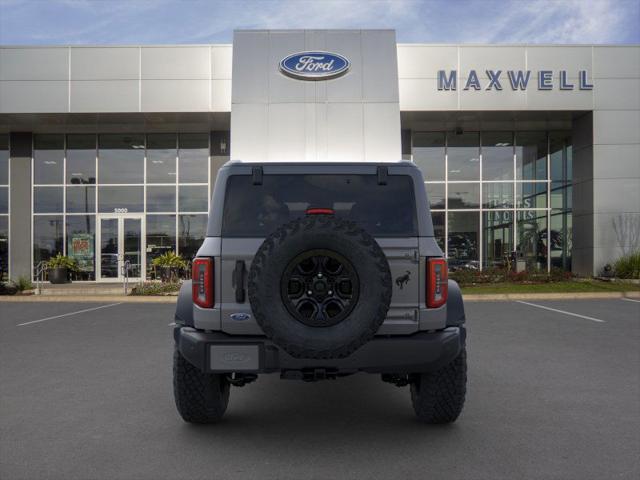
318, 271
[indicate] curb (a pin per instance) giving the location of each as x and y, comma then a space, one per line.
89, 298
502, 297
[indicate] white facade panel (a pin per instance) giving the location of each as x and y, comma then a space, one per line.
104, 96
379, 67
252, 66
556, 58
39, 96
495, 57
250, 121
616, 127
616, 94
424, 61
559, 99
175, 63
345, 135
109, 63
221, 95
618, 161
221, 62
378, 119
34, 63
621, 61
175, 95
287, 139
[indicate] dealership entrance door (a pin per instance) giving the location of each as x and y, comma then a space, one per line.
120, 247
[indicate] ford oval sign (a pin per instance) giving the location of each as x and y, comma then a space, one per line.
314, 65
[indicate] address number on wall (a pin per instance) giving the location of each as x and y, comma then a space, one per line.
120, 210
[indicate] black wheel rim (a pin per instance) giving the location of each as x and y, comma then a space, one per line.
320, 288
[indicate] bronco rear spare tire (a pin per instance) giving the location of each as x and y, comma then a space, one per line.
320, 287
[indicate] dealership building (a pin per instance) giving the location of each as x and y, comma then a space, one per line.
109, 153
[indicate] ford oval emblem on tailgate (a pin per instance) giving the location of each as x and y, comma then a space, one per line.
314, 65
240, 317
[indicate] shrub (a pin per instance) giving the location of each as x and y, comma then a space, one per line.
499, 275
23, 283
153, 288
170, 266
62, 261
628, 266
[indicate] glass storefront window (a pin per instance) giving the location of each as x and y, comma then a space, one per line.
464, 195
4, 159
81, 159
47, 200
161, 158
498, 237
561, 239
428, 155
438, 219
531, 156
193, 157
4, 200
463, 241
47, 237
120, 199
436, 194
4, 247
161, 238
161, 199
48, 159
497, 195
531, 249
193, 230
463, 156
81, 199
120, 158
81, 242
497, 155
193, 198
531, 195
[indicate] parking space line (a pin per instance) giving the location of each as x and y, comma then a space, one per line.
630, 300
68, 314
562, 311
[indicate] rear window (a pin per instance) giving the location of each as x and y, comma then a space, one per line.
257, 210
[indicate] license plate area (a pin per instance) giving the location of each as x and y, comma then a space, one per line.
234, 358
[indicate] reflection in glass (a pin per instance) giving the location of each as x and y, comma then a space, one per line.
193, 198
161, 158
81, 245
112, 198
4, 159
47, 237
497, 156
48, 159
463, 239
560, 154
561, 195
438, 219
81, 199
47, 199
497, 195
132, 243
4, 199
531, 155
463, 156
531, 250
193, 157
161, 199
531, 195
81, 159
4, 247
498, 237
561, 239
428, 154
121, 158
464, 195
161, 238
436, 195
109, 249
193, 230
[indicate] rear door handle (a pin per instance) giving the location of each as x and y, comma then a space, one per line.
238, 280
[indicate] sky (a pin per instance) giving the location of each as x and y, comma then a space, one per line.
121, 22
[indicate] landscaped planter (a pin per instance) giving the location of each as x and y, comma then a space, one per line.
59, 275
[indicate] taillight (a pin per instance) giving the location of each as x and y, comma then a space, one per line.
320, 211
437, 282
202, 282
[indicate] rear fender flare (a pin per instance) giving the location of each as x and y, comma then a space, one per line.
455, 306
184, 307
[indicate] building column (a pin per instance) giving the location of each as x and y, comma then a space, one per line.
582, 196
20, 153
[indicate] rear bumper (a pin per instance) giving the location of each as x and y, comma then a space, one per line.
222, 353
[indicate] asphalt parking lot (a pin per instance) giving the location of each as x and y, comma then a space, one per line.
550, 395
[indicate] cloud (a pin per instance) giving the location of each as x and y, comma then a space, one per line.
428, 21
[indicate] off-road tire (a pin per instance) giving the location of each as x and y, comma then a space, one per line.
330, 233
438, 397
200, 397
